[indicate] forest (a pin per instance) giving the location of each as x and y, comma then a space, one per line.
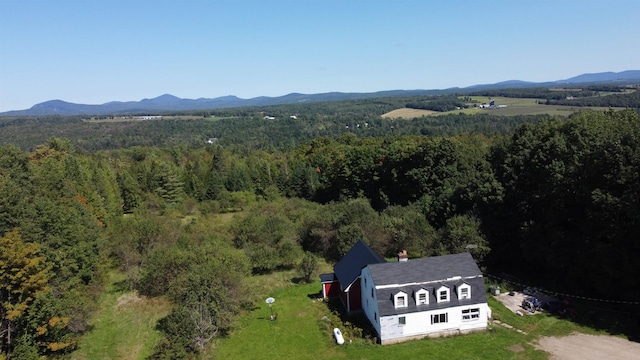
549, 201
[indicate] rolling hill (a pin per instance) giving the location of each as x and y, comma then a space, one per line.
167, 102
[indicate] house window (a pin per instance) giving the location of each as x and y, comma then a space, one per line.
470, 314
402, 321
464, 293
422, 299
439, 318
400, 299
443, 295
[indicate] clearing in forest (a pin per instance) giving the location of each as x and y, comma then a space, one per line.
406, 113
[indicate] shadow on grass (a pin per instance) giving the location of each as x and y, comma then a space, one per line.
315, 296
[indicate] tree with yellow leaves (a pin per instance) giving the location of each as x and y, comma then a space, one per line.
23, 274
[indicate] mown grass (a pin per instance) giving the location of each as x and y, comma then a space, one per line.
294, 335
299, 333
124, 325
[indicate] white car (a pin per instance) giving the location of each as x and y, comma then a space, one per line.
338, 335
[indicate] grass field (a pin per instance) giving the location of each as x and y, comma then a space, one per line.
515, 106
124, 328
407, 113
124, 325
299, 333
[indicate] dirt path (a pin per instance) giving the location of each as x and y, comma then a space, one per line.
585, 347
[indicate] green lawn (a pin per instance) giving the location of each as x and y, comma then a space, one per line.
298, 333
294, 335
124, 328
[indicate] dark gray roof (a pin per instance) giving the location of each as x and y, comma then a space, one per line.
385, 296
348, 268
424, 269
328, 277
429, 274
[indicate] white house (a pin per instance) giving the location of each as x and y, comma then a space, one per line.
434, 296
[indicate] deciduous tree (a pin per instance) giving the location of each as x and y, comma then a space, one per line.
23, 274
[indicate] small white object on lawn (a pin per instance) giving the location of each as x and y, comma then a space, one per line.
338, 336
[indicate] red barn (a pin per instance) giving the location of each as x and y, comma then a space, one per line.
344, 282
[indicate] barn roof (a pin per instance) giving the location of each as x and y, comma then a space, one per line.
348, 268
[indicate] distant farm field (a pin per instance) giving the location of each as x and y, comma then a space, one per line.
514, 106
407, 113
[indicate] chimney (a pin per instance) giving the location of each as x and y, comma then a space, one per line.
402, 256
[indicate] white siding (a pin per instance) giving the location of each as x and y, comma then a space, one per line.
419, 324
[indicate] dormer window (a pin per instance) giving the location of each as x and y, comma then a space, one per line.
464, 291
400, 299
442, 294
422, 297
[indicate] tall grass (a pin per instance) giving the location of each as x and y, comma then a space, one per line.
124, 325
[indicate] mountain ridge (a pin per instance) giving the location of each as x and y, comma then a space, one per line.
168, 102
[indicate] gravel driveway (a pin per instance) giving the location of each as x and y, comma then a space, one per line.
586, 347
577, 345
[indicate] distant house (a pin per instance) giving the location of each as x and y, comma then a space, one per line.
417, 298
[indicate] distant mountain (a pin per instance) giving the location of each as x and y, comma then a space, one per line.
602, 77
167, 102
509, 84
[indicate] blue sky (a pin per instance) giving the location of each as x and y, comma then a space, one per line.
97, 51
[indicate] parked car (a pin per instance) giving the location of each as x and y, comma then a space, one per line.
531, 304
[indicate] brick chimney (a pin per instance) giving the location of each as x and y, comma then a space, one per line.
402, 256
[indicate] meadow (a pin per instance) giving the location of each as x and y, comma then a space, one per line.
514, 107
124, 328
124, 325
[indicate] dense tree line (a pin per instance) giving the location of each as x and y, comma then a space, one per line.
291, 126
438, 103
571, 205
537, 93
627, 100
53, 208
588, 96
541, 92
